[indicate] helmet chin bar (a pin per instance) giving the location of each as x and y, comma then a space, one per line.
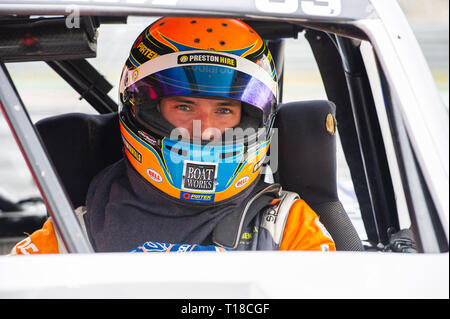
202, 173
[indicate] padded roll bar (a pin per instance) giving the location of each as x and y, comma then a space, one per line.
52, 191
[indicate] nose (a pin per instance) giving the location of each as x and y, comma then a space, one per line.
204, 126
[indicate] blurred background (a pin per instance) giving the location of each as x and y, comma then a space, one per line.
45, 94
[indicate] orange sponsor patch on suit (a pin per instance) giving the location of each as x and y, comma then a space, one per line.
42, 241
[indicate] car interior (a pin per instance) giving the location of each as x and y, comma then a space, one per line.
306, 131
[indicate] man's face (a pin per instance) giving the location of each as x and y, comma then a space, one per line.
212, 116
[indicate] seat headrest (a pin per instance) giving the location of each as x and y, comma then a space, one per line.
90, 143
307, 150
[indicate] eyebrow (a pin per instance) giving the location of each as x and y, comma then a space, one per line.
220, 102
228, 103
182, 100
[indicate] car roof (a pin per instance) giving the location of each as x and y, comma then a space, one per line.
294, 10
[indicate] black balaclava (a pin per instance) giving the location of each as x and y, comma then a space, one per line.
124, 211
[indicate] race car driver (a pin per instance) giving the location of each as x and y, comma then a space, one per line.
197, 102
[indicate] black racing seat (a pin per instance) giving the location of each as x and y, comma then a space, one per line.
81, 145
307, 165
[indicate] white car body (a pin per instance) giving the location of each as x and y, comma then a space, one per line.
271, 274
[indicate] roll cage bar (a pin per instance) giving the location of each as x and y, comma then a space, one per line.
337, 32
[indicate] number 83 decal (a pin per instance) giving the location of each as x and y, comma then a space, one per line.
311, 7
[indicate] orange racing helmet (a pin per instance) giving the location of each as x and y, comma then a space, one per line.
199, 57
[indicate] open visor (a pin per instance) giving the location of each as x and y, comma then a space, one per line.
204, 74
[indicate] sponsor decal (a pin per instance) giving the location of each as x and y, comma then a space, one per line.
132, 150
26, 247
154, 175
184, 59
210, 58
135, 74
271, 216
241, 182
148, 138
145, 51
199, 176
193, 197
152, 246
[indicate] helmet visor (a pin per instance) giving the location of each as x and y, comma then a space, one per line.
204, 80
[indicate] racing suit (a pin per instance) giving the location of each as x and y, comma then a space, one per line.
302, 230
123, 212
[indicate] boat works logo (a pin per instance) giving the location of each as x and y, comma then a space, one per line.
198, 176
209, 58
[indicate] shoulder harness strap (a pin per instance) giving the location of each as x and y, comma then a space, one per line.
228, 231
274, 219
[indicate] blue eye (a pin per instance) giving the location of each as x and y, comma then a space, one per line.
183, 107
224, 111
